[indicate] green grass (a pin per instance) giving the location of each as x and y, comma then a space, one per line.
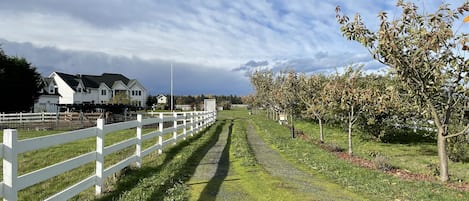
163, 177
37, 159
247, 175
415, 153
375, 184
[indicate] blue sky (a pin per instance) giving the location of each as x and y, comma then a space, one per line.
210, 43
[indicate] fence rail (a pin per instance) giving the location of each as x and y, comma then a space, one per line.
28, 117
184, 123
45, 117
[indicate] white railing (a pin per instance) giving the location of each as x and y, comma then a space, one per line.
28, 117
184, 123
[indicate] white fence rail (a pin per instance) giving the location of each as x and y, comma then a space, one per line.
184, 123
28, 117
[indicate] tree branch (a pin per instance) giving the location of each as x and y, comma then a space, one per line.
458, 134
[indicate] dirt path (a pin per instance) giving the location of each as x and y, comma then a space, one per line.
217, 177
213, 177
305, 184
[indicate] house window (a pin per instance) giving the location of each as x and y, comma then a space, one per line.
79, 90
103, 92
139, 93
133, 93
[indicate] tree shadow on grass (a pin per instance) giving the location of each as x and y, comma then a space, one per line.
130, 179
213, 186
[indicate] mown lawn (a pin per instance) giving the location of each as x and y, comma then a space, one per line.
411, 154
247, 177
34, 160
372, 183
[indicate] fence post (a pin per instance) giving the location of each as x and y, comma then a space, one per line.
192, 124
185, 125
99, 156
138, 146
160, 138
197, 122
204, 120
175, 125
10, 165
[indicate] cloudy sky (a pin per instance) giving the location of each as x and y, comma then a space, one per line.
210, 43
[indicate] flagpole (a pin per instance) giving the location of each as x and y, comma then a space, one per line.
172, 87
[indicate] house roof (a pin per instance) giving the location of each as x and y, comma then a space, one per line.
93, 81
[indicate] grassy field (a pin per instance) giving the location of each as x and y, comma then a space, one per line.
163, 177
38, 159
412, 152
374, 183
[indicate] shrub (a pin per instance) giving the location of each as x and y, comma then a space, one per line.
381, 162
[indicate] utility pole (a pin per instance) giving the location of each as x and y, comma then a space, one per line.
172, 108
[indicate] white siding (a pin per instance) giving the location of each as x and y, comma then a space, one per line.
46, 103
107, 93
66, 93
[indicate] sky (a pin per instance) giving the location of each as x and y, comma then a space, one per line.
211, 44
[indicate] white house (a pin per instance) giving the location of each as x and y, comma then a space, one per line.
48, 98
97, 89
161, 99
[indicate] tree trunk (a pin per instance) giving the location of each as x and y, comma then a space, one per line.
321, 131
350, 152
443, 155
292, 126
350, 124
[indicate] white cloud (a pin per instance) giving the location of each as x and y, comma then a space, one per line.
204, 34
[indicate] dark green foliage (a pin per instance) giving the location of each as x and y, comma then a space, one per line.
19, 84
458, 149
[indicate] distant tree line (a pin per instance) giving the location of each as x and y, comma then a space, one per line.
196, 101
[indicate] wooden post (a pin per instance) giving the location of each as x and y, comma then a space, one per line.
197, 122
175, 125
99, 156
138, 146
185, 125
160, 138
192, 123
10, 165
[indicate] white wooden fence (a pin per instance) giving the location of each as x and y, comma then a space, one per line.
184, 123
28, 117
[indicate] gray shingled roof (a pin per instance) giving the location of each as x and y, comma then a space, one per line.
93, 81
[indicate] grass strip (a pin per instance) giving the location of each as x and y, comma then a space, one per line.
163, 177
377, 185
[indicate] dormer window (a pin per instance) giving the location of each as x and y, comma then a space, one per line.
79, 90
